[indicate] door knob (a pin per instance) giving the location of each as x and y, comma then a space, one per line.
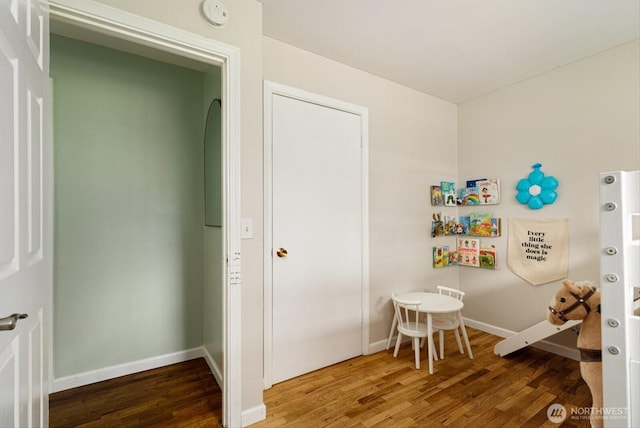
281, 252
9, 323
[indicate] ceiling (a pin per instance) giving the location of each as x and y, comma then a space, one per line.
453, 49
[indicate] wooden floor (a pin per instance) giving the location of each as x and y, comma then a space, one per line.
179, 395
380, 391
370, 391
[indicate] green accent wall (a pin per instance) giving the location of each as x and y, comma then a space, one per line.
129, 207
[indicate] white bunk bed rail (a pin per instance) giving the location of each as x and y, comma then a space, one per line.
619, 278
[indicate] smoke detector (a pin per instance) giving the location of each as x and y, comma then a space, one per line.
215, 12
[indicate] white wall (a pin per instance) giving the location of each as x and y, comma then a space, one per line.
577, 120
412, 144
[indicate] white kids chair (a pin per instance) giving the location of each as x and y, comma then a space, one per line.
448, 321
408, 324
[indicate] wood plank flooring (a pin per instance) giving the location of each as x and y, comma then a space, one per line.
179, 395
369, 391
380, 391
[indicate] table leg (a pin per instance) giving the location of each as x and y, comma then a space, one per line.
430, 341
394, 323
464, 334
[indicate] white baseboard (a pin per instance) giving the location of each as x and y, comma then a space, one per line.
545, 345
217, 372
488, 328
380, 345
254, 415
86, 378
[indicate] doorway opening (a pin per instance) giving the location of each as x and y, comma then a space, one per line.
112, 28
129, 210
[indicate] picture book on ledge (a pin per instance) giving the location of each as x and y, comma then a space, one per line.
470, 252
488, 191
444, 256
480, 224
437, 225
480, 192
488, 259
444, 194
469, 196
449, 193
475, 224
436, 196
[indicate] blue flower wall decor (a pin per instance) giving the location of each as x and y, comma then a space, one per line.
537, 190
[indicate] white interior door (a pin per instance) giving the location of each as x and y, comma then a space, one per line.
317, 193
25, 231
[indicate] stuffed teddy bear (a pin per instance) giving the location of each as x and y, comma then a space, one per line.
581, 301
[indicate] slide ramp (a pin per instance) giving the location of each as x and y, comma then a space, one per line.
533, 334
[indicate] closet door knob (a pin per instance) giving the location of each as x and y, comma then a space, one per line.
9, 323
281, 252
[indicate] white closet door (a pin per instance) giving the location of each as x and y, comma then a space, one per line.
25, 227
317, 220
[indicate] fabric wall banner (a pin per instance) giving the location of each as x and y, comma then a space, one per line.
538, 249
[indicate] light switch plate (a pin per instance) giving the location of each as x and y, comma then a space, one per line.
246, 225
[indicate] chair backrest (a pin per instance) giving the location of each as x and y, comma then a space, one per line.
450, 319
457, 294
406, 312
